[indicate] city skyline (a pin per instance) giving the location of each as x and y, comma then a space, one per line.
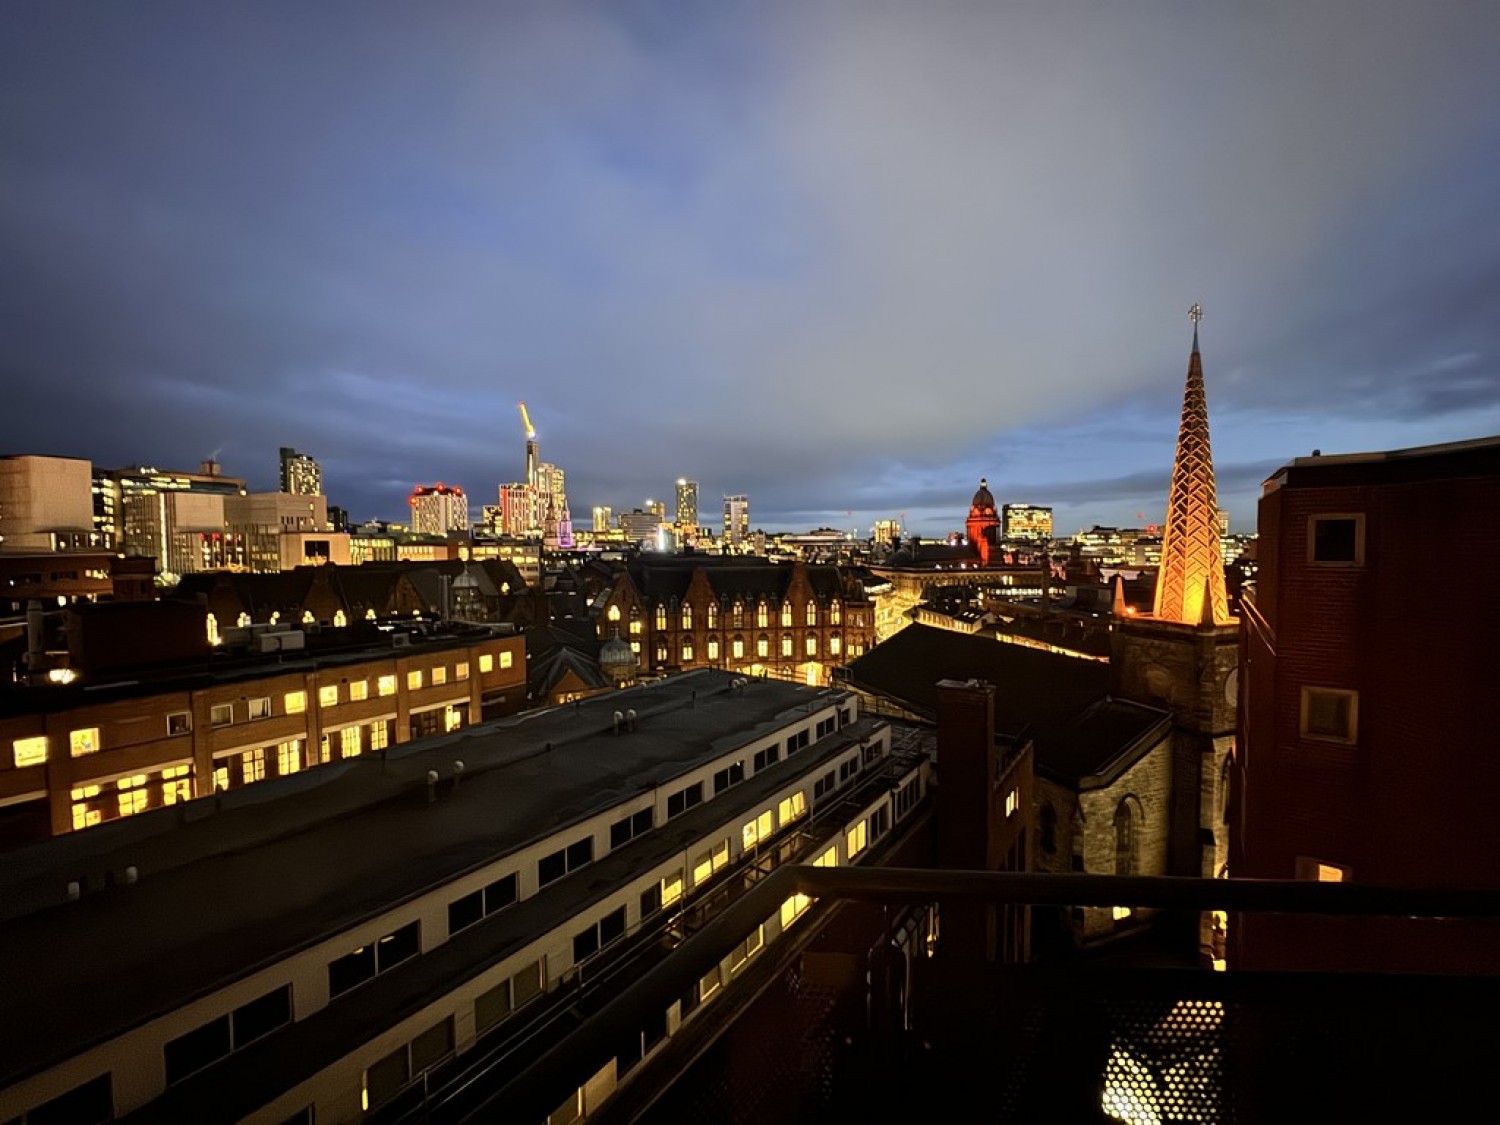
843, 261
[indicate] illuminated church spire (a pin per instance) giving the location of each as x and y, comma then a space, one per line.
1190, 585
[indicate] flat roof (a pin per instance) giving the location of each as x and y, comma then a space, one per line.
1473, 457
319, 852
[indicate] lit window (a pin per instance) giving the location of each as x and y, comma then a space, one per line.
213, 630
30, 751
259, 708
1012, 802
757, 830
812, 613
661, 617
453, 718
835, 614
349, 741
328, 695
387, 685
713, 615
221, 714
180, 722
176, 785
340, 619
85, 741
221, 778
614, 613
792, 909
713, 648
786, 644
671, 889
762, 615
461, 670
687, 651
358, 689
243, 621
507, 659
855, 839
1330, 714
253, 765
635, 626
439, 676
133, 798
762, 646
687, 617
737, 648
786, 615
288, 757
85, 814
812, 645
296, 702
414, 679
792, 807
308, 618
835, 645
486, 662
379, 736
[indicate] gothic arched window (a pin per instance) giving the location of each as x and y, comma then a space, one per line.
1128, 823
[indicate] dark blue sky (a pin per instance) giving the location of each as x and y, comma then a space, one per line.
843, 257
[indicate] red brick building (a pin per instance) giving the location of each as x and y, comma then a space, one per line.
1367, 751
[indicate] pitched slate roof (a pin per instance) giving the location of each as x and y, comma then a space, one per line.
1083, 738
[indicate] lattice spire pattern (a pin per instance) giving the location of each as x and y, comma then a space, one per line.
1192, 561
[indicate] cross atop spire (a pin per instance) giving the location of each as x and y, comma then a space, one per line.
1190, 586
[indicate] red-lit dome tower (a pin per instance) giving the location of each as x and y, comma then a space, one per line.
982, 522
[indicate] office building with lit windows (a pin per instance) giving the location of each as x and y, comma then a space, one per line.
438, 509
300, 474
736, 520
364, 965
687, 505
1026, 521
124, 741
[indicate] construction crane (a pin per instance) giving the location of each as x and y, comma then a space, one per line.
526, 421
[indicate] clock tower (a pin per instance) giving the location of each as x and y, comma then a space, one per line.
1184, 656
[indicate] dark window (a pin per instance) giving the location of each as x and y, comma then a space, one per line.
551, 868
791, 746
500, 894
731, 775
848, 769
619, 833
824, 784
650, 900
580, 853
1336, 539
684, 799
463, 912
192, 1052
388, 1076
585, 942
767, 757
491, 1007
351, 969
612, 926
801, 739
303, 1116
641, 821
88, 1104
263, 1016
432, 1046
402, 945
1048, 827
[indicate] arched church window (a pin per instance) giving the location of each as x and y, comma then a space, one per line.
1128, 823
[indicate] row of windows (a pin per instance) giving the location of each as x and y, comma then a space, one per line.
688, 650
32, 750
190, 1053
763, 615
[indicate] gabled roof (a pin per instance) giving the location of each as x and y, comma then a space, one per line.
1082, 737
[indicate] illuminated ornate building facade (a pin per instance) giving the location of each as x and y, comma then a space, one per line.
982, 522
791, 621
438, 509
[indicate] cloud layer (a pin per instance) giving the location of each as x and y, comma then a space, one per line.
844, 258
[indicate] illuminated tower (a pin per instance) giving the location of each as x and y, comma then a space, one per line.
687, 505
1184, 657
531, 458
982, 522
1192, 560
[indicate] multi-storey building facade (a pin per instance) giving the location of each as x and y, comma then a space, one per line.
736, 521
517, 511
1366, 750
460, 912
793, 621
687, 505
300, 474
438, 509
173, 517
46, 504
1027, 521
77, 756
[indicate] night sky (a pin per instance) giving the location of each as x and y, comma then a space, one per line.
843, 257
